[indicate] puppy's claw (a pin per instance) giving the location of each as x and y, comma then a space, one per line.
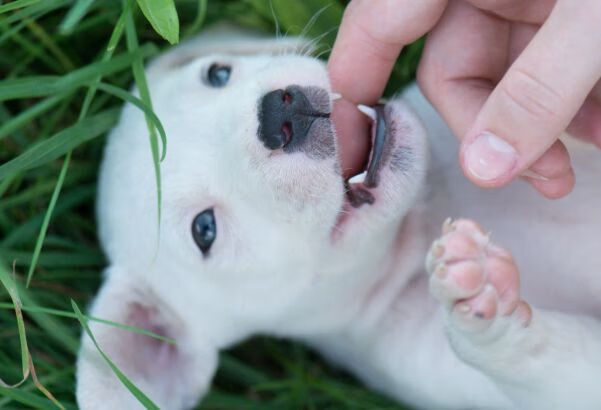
440, 270
438, 250
463, 308
447, 226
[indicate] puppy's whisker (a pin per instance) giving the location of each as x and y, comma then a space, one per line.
313, 44
313, 19
323, 52
275, 20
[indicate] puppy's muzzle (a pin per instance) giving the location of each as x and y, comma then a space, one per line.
287, 116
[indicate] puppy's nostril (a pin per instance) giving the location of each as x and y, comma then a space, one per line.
285, 117
287, 131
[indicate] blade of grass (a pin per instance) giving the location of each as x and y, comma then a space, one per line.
11, 288
26, 116
138, 394
64, 313
17, 4
61, 142
33, 400
39, 8
26, 361
79, 175
114, 39
162, 16
40, 240
39, 32
74, 16
128, 97
108, 54
33, 50
41, 86
142, 84
67, 202
57, 259
201, 14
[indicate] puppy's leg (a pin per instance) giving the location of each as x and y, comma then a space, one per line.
173, 376
398, 346
540, 359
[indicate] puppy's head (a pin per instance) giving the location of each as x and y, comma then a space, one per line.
252, 178
254, 205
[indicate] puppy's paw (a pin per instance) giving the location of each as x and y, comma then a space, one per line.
474, 279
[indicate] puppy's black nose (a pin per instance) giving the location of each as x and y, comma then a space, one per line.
285, 117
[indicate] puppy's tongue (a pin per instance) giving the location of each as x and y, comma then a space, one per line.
353, 134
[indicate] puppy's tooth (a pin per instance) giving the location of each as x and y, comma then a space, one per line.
335, 96
446, 226
358, 179
370, 112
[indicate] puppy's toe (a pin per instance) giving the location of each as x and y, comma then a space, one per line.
475, 280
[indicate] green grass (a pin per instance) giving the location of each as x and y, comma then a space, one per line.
65, 69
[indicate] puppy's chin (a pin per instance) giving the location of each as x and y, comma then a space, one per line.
377, 198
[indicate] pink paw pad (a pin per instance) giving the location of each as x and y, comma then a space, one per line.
476, 280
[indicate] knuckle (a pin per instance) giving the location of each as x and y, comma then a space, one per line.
536, 98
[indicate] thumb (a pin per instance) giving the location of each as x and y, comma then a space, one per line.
536, 99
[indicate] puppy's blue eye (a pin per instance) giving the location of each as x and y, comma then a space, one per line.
204, 230
218, 75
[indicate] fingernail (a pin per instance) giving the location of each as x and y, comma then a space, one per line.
531, 174
489, 157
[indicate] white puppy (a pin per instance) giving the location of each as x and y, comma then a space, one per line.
259, 233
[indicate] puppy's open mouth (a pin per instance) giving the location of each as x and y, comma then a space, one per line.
359, 188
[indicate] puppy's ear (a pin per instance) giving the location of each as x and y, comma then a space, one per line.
172, 376
227, 39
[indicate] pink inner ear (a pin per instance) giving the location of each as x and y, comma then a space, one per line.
165, 372
144, 355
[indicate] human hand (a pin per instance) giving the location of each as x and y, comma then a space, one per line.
523, 71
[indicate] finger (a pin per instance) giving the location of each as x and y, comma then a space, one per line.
451, 73
463, 59
369, 41
537, 98
552, 173
352, 132
587, 122
532, 12
554, 188
553, 164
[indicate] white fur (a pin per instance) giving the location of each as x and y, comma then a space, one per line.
361, 299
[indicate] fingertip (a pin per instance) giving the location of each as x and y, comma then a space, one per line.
351, 130
491, 162
488, 160
552, 174
554, 188
555, 163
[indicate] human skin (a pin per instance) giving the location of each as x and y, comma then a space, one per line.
507, 74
